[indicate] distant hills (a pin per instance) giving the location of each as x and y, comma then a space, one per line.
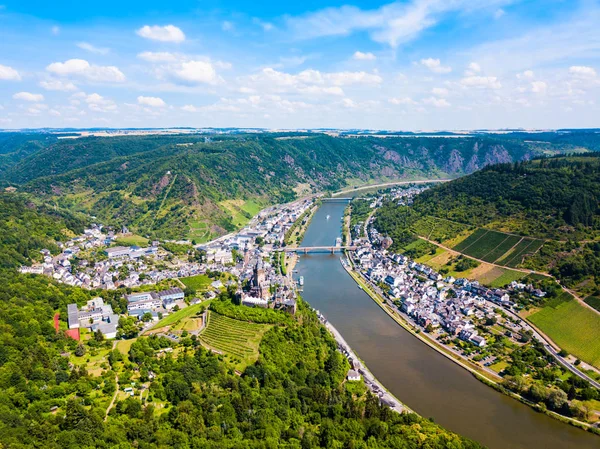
200, 186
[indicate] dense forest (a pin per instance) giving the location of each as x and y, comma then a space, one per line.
549, 198
167, 185
293, 396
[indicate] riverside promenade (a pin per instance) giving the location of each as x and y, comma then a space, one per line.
371, 382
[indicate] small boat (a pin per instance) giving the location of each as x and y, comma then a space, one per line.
360, 287
301, 280
328, 217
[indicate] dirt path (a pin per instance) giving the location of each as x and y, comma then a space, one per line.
389, 184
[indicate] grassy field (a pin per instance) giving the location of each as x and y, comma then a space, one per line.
593, 301
180, 315
199, 282
241, 211
131, 240
237, 339
125, 345
572, 326
438, 229
506, 278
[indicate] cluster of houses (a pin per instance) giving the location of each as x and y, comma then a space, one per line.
98, 316
429, 299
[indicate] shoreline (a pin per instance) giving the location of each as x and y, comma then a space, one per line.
473, 371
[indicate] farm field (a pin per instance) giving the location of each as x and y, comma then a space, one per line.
593, 301
506, 278
525, 247
199, 282
237, 339
498, 247
571, 326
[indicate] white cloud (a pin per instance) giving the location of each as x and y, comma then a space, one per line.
93, 49
484, 82
393, 24
266, 26
83, 69
472, 69
162, 56
95, 102
349, 103
526, 75
154, 102
437, 102
580, 71
63, 86
168, 33
539, 87
404, 101
360, 56
9, 74
439, 91
28, 96
197, 72
55, 30
227, 25
499, 13
435, 65
189, 108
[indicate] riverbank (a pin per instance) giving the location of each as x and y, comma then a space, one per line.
369, 379
388, 184
478, 372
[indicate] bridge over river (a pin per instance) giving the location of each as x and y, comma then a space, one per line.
318, 249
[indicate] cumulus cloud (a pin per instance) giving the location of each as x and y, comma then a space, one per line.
403, 101
28, 96
83, 69
472, 69
526, 75
437, 102
439, 91
161, 56
95, 102
167, 33
360, 56
197, 72
93, 49
189, 108
9, 74
63, 86
435, 65
483, 82
154, 102
539, 87
581, 71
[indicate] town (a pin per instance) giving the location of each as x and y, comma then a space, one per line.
250, 260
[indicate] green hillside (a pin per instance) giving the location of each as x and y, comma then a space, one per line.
55, 391
183, 185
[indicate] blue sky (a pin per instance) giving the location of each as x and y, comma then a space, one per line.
406, 65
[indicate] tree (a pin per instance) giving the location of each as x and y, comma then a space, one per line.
99, 336
147, 317
80, 350
557, 399
127, 327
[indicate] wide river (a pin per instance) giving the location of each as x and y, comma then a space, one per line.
417, 375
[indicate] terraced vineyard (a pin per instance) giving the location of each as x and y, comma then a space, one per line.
233, 337
498, 247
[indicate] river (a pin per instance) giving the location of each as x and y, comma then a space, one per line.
417, 375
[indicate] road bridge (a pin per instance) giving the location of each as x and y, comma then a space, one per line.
318, 249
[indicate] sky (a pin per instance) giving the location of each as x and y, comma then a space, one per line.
406, 65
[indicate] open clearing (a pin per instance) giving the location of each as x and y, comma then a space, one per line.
572, 326
199, 282
238, 339
132, 240
175, 317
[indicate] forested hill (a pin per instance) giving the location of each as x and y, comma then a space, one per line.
196, 187
555, 198
27, 228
